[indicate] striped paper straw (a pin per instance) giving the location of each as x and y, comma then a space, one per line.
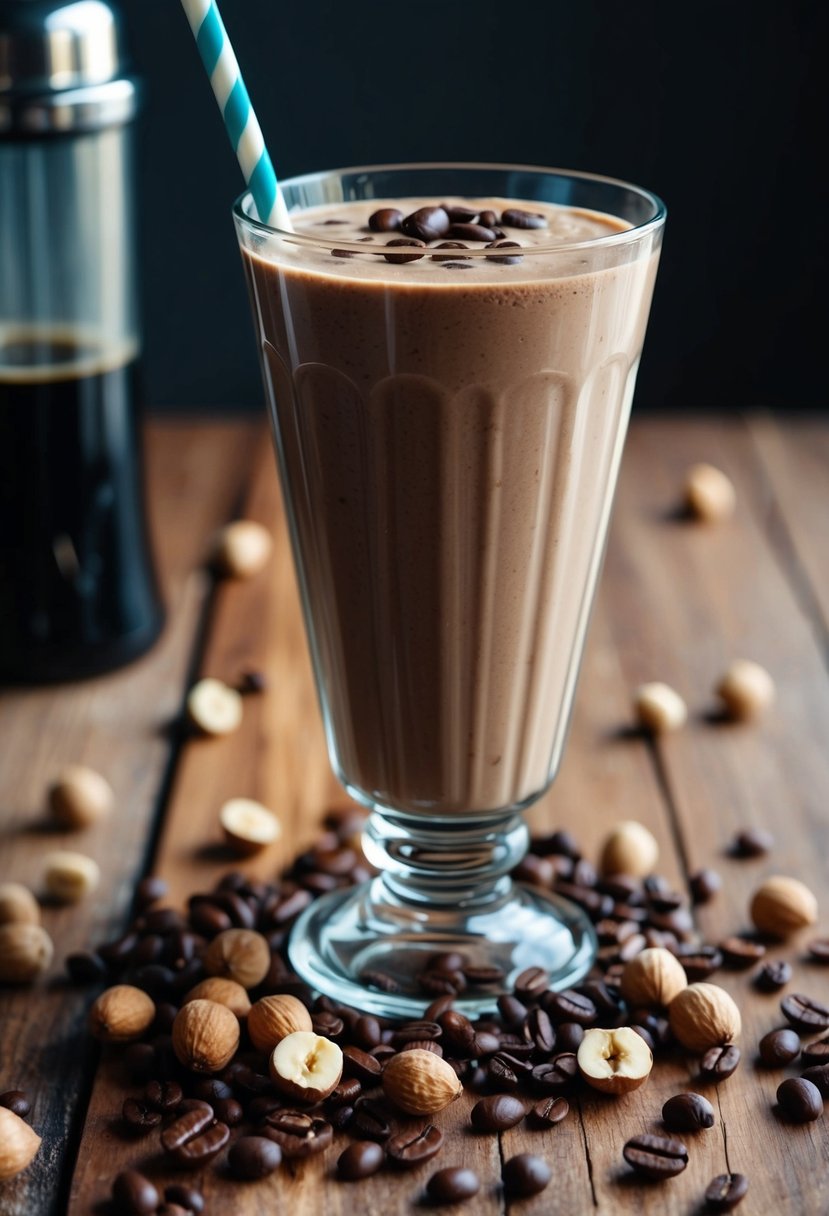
241, 123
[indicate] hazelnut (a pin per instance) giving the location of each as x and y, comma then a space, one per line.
703, 1016
214, 708
653, 977
782, 905
18, 1144
205, 1035
614, 1061
80, 797
629, 849
274, 1017
709, 494
223, 992
121, 1013
420, 1082
69, 877
659, 708
26, 950
306, 1066
17, 905
241, 549
248, 826
239, 954
746, 689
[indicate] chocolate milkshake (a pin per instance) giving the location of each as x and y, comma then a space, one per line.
449, 429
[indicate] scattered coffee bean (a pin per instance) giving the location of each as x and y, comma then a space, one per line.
360, 1064
506, 259
773, 976
166, 1096
497, 1113
570, 1006
817, 1051
752, 842
387, 219
426, 224
538, 1031
805, 1013
371, 1119
687, 1112
656, 1156
253, 1157
818, 950
699, 962
86, 967
361, 1159
741, 952
568, 1037
779, 1047
186, 1197
550, 1111
800, 1100
408, 1149
452, 1185
725, 1191
400, 258
139, 1116
704, 885
719, 1063
525, 1175
193, 1138
134, 1194
818, 1074
16, 1101
297, 1134
516, 217
556, 1075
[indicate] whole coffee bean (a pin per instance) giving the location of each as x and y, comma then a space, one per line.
699, 962
396, 258
740, 952
210, 1089
504, 258
752, 842
719, 1063
516, 217
818, 1074
371, 978
704, 885
253, 1157
149, 891
371, 1119
367, 1032
408, 1149
329, 1025
471, 232
550, 1111
360, 1160
86, 967
458, 1033
229, 1111
134, 1193
687, 1112
165, 1096
447, 257
482, 976
426, 224
16, 1101
452, 1184
568, 1036
800, 1100
186, 1197
818, 950
816, 1052
656, 1156
512, 1011
497, 1113
556, 1075
538, 1031
805, 1013
773, 976
525, 1175
488, 218
360, 1064
340, 1117
779, 1047
538, 871
297, 1134
725, 1191
460, 215
345, 1093
592, 902
411, 1032
506, 1071
387, 219
570, 1006
530, 983
439, 1006
139, 1116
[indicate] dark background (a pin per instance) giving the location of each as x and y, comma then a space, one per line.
715, 106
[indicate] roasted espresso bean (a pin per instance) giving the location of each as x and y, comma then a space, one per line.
486, 1044
773, 976
725, 1191
203, 1147
458, 1033
471, 232
513, 1012
538, 871
360, 1064
345, 1093
800, 1100
86, 967
704, 885
134, 1194
805, 1013
488, 218
459, 214
387, 219
741, 952
719, 1063
538, 1031
139, 1116
229, 1111
210, 1089
426, 224
253, 1157
360, 1160
481, 976
297, 1134
530, 983
165, 1096
817, 1051
452, 1185
371, 1119
525, 1175
556, 1075
516, 217
497, 1113
439, 1006
818, 950
208, 918
16, 1101
779, 1047
506, 1071
656, 1156
408, 1149
367, 1032
149, 891
818, 1074
194, 1116
438, 982
592, 902
446, 257
506, 259
570, 1006
699, 962
415, 1031
550, 1111
399, 258
752, 842
687, 1112
186, 1197
568, 1036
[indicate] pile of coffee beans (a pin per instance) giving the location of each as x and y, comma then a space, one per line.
521, 1062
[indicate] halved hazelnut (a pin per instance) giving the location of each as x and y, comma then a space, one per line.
248, 826
306, 1066
614, 1061
215, 708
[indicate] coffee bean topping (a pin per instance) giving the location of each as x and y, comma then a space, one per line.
253, 1157
779, 1047
687, 1112
656, 1156
360, 1160
800, 1100
462, 215
773, 976
387, 219
804, 1012
408, 1149
506, 259
446, 257
515, 217
471, 232
426, 224
497, 1113
725, 1191
719, 1063
453, 1184
525, 1175
399, 258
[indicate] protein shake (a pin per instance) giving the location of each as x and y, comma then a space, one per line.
449, 431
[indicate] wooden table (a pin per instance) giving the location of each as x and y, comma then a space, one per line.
677, 602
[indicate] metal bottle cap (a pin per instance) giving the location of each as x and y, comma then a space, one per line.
60, 68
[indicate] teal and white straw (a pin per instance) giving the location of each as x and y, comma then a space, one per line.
241, 123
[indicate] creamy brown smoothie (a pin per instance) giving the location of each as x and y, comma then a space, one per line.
449, 433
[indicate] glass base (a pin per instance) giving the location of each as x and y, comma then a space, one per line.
344, 937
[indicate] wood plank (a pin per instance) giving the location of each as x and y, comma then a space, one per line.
694, 598
279, 756
117, 724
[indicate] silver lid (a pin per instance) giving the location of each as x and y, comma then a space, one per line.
61, 66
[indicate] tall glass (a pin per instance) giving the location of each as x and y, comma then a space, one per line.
448, 445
